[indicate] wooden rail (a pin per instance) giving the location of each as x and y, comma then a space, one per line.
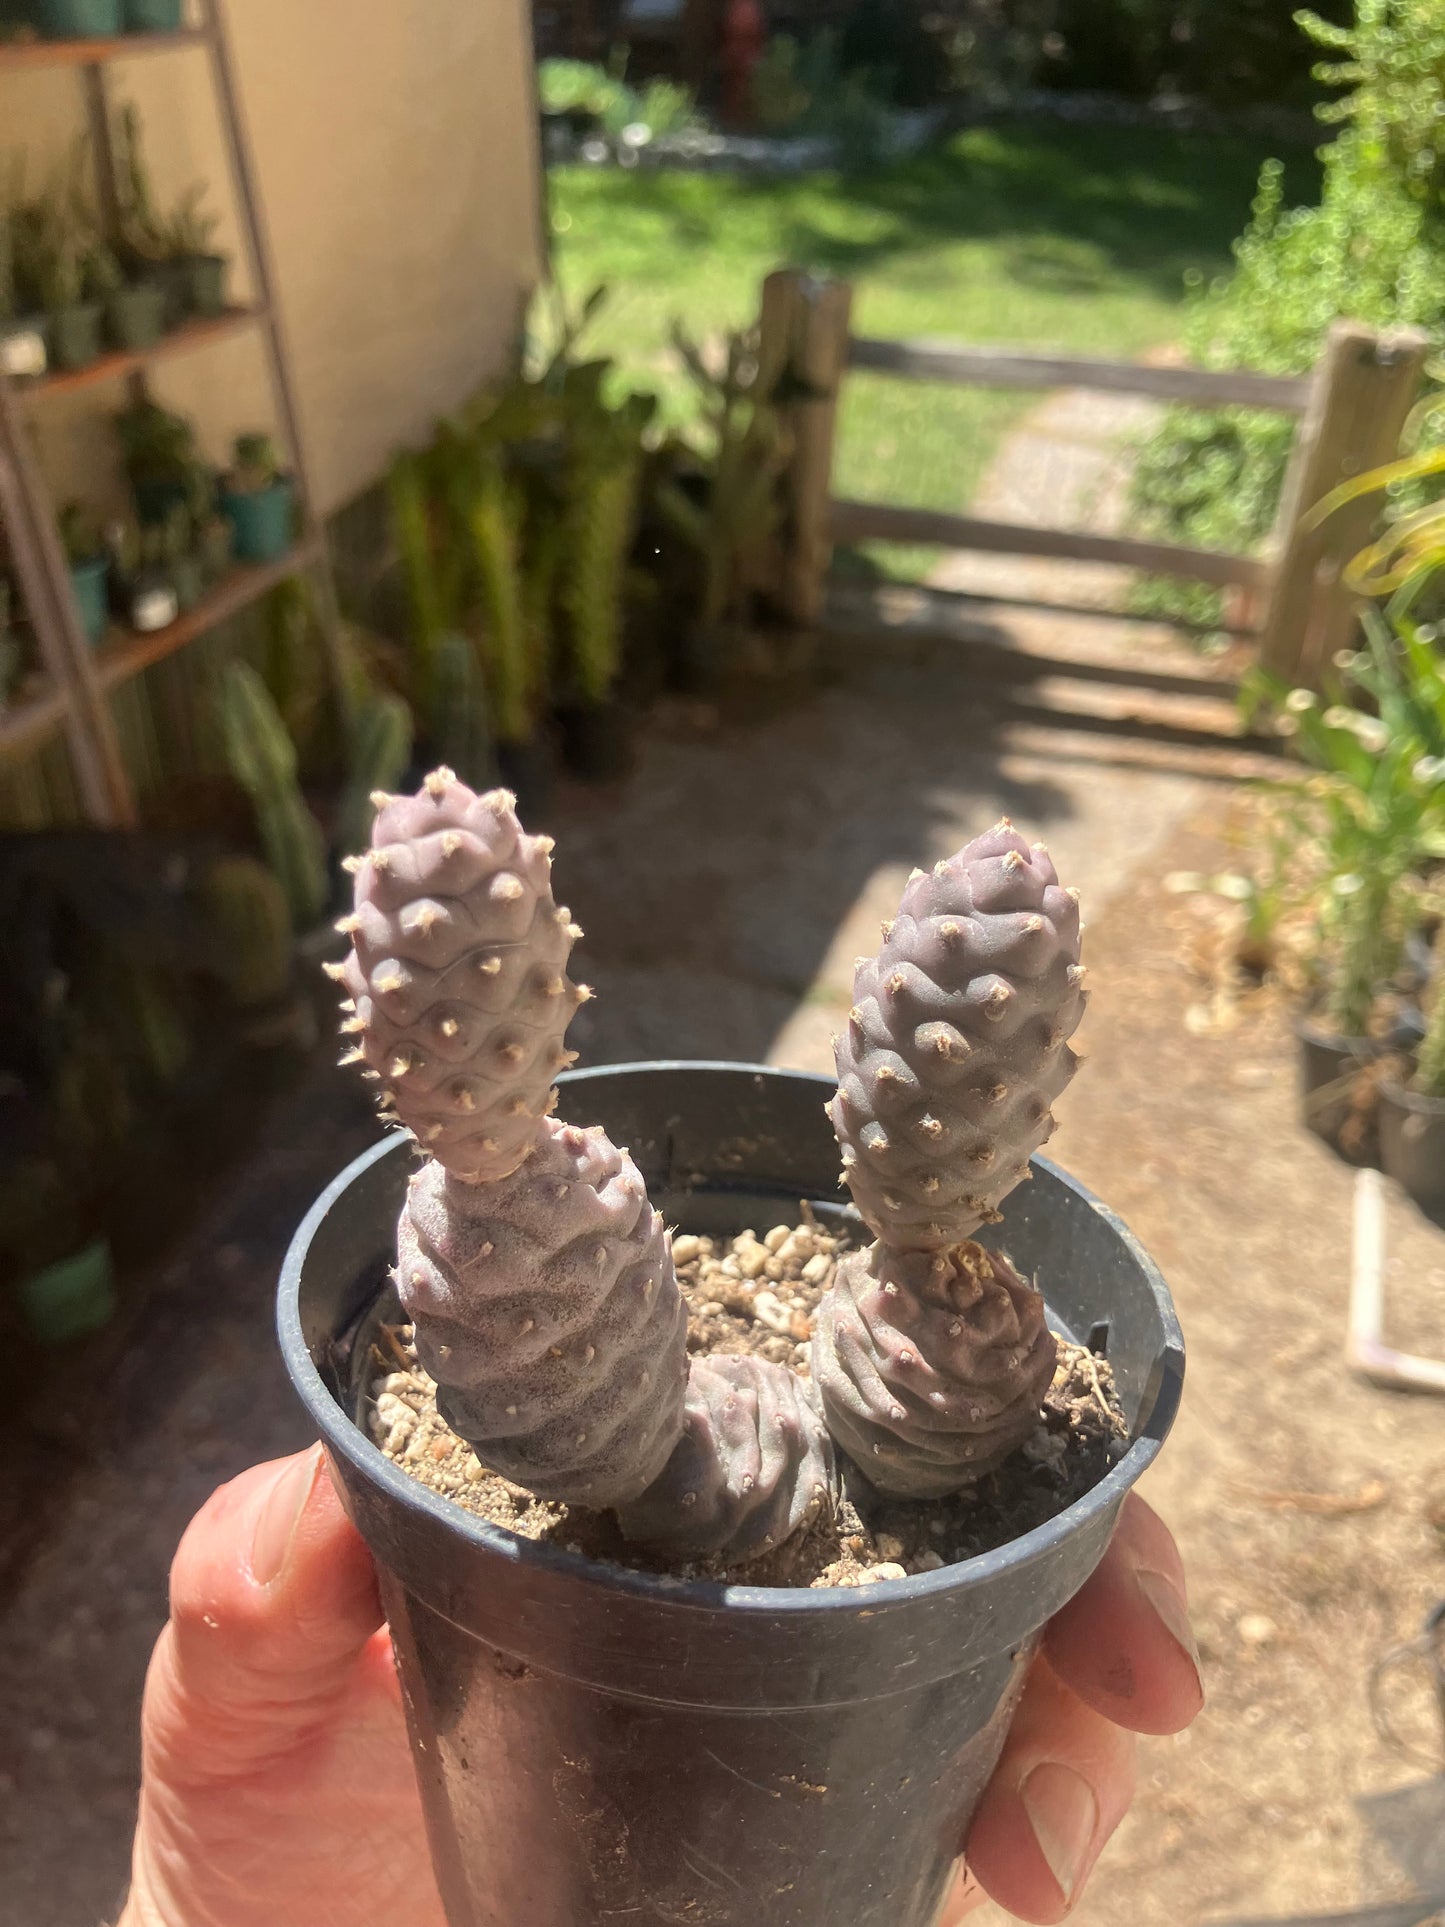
1352, 407
876, 522
1003, 368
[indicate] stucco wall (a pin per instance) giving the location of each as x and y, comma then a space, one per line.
397, 159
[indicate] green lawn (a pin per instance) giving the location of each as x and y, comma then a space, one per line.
1030, 233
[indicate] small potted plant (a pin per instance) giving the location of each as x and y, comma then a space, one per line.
258, 499
1412, 1106
144, 590
181, 558
89, 568
22, 336
201, 271
162, 462
72, 316
135, 309
744, 1616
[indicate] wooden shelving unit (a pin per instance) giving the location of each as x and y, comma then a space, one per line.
78, 678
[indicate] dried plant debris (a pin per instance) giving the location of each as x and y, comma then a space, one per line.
756, 1295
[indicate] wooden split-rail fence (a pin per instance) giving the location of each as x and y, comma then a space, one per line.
1351, 410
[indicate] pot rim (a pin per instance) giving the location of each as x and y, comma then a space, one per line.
340, 1433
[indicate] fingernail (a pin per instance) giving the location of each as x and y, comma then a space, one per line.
1168, 1603
1064, 1815
280, 1515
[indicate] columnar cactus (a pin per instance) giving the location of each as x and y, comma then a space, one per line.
538, 1276
930, 1354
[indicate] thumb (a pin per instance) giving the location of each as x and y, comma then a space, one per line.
273, 1603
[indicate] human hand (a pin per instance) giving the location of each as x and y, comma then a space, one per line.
277, 1782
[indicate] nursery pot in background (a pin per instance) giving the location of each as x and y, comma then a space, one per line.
152, 16
77, 19
75, 339
593, 1743
1412, 1143
262, 520
90, 580
135, 317
1330, 1067
597, 740
206, 283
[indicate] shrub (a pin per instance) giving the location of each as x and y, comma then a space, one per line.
1373, 249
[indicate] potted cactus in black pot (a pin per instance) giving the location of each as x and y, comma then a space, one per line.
743, 1618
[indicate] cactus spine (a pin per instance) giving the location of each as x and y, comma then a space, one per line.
930, 1354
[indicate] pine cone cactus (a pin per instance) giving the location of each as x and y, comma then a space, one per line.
931, 1365
753, 1466
957, 1043
931, 1355
457, 974
538, 1277
546, 1309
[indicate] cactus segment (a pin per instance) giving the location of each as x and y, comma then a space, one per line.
931, 1366
753, 1466
957, 1043
458, 974
546, 1308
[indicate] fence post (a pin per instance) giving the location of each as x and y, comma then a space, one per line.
1364, 386
803, 337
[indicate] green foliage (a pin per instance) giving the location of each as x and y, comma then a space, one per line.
599, 524
1373, 818
1373, 249
602, 94
156, 446
744, 450
262, 758
1430, 1062
256, 465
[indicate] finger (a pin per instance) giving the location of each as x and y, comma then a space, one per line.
1062, 1785
273, 1603
1124, 1643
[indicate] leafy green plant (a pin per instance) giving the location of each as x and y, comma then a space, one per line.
143, 230
156, 445
256, 465
1373, 248
743, 452
191, 229
1374, 815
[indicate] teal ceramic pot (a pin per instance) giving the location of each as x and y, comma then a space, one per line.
77, 19
69, 1299
75, 338
262, 521
135, 318
91, 581
152, 16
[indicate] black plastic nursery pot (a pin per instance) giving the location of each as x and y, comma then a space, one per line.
75, 335
135, 317
1412, 1144
206, 283
1329, 1070
594, 1743
598, 740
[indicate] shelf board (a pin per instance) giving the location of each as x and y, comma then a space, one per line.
25, 725
126, 652
18, 55
191, 335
